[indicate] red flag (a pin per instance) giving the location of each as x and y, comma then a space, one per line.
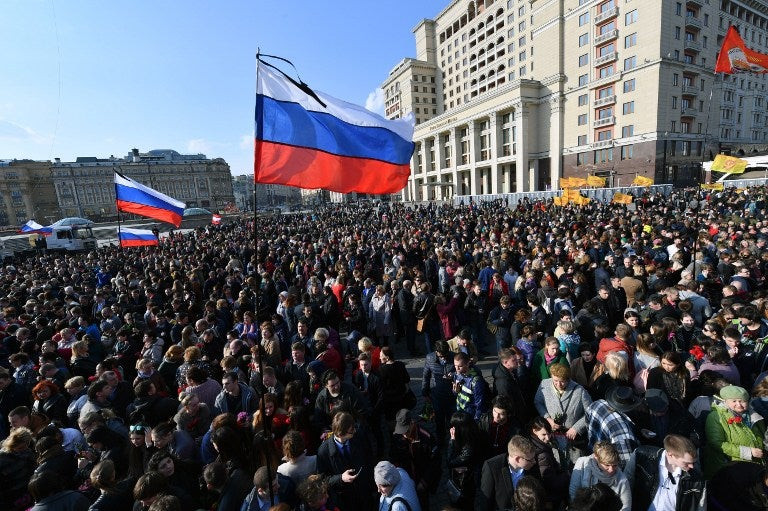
216, 219
735, 57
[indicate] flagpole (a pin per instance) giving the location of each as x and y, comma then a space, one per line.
256, 158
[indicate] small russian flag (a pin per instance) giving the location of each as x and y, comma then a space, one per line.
137, 237
32, 227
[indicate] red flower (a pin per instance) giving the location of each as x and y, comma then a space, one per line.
734, 420
697, 352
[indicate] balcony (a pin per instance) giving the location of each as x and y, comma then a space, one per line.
606, 15
602, 143
602, 38
692, 45
727, 122
697, 3
608, 100
693, 22
599, 61
688, 112
606, 121
690, 90
605, 80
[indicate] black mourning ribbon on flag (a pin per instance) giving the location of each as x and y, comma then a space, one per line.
298, 83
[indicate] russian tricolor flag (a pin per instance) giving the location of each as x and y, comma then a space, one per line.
32, 227
134, 197
137, 237
216, 219
337, 146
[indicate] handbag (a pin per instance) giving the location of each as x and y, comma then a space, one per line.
420, 325
454, 493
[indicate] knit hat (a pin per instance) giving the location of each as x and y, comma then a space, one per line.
386, 474
734, 392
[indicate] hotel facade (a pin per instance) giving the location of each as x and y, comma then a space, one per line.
511, 95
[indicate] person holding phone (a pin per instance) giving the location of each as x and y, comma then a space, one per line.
345, 459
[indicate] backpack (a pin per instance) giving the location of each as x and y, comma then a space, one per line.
399, 499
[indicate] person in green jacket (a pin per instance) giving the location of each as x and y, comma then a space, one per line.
734, 432
545, 358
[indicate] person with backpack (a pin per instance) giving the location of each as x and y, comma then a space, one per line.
398, 493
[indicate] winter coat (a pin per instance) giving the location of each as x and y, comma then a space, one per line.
16, 469
731, 442
540, 366
380, 316
404, 490
571, 405
586, 473
63, 501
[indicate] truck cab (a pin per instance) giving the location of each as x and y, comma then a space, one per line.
71, 238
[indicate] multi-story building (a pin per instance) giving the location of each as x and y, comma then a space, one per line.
510, 95
86, 187
26, 192
267, 195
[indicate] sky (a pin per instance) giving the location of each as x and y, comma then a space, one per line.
98, 78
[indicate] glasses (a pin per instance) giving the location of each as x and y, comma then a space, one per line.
137, 428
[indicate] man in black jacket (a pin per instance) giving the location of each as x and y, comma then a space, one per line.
666, 478
404, 302
12, 395
508, 384
502, 473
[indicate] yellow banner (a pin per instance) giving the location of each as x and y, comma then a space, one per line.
729, 164
560, 202
622, 198
642, 181
565, 182
576, 182
595, 181
713, 186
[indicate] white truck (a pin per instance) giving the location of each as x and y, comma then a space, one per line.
70, 238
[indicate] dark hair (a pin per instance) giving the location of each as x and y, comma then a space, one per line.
150, 485
718, 355
197, 374
154, 461
329, 375
166, 503
593, 498
539, 423
44, 484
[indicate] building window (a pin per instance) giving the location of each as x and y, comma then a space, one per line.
678, 32
605, 71
604, 155
626, 152
606, 50
581, 158
630, 63
583, 80
629, 85
675, 78
583, 39
583, 99
630, 17
604, 135
628, 107
582, 119
630, 40
583, 60
605, 113
628, 131
605, 92
522, 71
679, 9
584, 19
582, 140
674, 102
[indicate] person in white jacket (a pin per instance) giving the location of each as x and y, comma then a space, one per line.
398, 492
602, 467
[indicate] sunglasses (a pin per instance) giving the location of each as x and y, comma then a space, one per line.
137, 428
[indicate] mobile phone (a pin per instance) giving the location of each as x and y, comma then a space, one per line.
358, 471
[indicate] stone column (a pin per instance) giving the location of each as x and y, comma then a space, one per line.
456, 159
555, 140
521, 144
534, 175
473, 134
494, 144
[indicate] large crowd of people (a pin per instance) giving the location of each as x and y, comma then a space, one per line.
601, 356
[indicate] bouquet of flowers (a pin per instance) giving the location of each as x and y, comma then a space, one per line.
697, 355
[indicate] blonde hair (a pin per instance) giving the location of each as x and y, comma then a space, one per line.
19, 439
606, 453
364, 344
616, 366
